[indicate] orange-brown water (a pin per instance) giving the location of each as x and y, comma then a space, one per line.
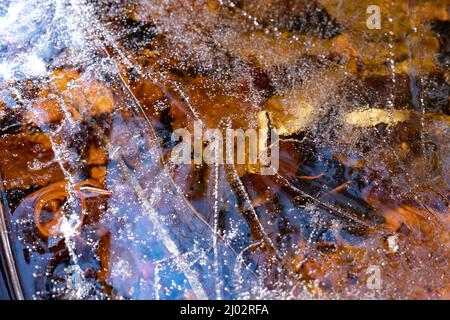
96, 209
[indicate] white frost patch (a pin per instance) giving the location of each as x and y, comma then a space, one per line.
34, 66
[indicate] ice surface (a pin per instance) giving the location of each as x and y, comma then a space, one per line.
96, 87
